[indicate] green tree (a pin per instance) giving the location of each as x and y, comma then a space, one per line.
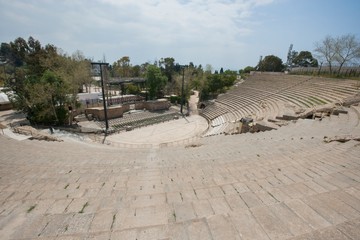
136, 71
132, 89
44, 81
271, 63
228, 78
168, 67
122, 67
218, 83
248, 69
19, 50
305, 59
155, 81
47, 99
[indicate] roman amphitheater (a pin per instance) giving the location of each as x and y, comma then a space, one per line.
293, 174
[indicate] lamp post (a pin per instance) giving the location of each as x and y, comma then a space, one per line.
103, 92
182, 90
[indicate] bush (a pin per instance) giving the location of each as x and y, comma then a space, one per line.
175, 99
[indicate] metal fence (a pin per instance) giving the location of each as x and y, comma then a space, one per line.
344, 72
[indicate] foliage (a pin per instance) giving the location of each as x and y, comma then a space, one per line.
155, 81
45, 99
175, 99
248, 69
43, 81
304, 59
124, 69
217, 83
168, 68
271, 63
132, 89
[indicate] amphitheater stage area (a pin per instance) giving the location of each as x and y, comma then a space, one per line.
299, 182
175, 132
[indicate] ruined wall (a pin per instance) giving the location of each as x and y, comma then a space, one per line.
112, 112
118, 111
160, 104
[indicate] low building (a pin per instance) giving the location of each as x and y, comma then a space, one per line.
5, 103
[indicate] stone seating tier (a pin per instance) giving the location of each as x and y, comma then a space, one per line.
264, 96
283, 184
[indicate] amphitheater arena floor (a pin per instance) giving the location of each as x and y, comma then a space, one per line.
176, 132
283, 184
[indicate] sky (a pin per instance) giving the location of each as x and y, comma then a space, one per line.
231, 34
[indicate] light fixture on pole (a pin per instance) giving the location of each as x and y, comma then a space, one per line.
182, 88
103, 92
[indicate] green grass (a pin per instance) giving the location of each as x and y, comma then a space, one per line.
83, 208
113, 221
31, 208
317, 100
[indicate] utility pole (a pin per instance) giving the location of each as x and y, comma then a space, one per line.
103, 92
182, 90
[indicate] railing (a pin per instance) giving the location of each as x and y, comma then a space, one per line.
345, 71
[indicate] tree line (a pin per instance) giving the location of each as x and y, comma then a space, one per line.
43, 81
333, 52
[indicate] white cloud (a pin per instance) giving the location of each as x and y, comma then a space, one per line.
224, 33
177, 28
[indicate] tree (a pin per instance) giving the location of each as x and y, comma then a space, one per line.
217, 83
228, 78
122, 67
305, 59
19, 51
248, 69
155, 81
168, 67
326, 50
47, 99
340, 51
208, 68
136, 71
132, 89
347, 48
80, 73
271, 63
45, 82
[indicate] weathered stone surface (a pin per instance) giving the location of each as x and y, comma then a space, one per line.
221, 228
183, 212
247, 226
198, 230
35, 134
281, 184
273, 226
